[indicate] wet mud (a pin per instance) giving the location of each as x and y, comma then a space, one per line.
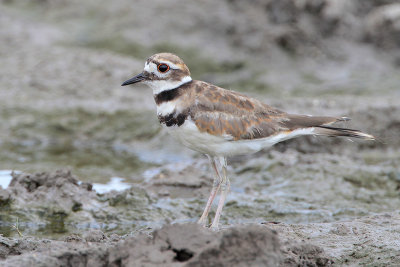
67, 126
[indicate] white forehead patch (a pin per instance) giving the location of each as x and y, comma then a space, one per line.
150, 67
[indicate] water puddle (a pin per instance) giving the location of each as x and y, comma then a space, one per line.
115, 183
5, 177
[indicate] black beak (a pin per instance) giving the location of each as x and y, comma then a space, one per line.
138, 78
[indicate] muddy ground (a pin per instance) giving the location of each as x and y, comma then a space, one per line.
67, 126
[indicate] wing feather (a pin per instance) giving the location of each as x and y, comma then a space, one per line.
234, 116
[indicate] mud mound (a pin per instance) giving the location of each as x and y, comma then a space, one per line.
356, 242
190, 243
172, 245
59, 191
57, 253
57, 203
9, 247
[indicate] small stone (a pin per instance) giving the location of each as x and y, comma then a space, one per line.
5, 197
87, 186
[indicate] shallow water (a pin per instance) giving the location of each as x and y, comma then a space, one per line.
115, 183
5, 178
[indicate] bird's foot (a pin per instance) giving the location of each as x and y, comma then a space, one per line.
214, 228
202, 222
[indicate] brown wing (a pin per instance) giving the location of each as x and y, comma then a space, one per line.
237, 117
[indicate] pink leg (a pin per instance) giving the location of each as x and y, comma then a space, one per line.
224, 191
214, 191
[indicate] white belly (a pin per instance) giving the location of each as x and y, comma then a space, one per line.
190, 136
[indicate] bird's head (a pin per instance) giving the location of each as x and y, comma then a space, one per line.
163, 71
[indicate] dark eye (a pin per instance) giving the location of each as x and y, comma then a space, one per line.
163, 67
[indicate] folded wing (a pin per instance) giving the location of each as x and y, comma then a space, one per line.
235, 117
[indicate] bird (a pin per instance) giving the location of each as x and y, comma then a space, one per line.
221, 123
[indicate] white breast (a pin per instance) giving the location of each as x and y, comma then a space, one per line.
166, 108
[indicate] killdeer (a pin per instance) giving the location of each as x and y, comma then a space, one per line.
222, 123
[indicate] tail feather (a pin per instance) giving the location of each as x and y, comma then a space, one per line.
334, 131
